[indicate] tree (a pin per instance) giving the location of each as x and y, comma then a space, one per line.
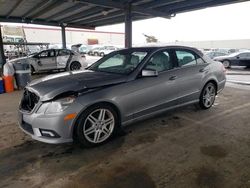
150, 39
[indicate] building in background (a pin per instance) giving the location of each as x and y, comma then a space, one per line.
53, 35
73, 36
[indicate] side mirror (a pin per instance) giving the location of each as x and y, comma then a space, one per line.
149, 73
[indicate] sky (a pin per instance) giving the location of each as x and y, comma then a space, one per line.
217, 23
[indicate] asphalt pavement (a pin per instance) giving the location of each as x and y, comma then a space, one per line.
182, 148
238, 76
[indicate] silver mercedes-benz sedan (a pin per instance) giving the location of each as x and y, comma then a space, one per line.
125, 86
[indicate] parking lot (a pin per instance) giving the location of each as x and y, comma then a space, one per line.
186, 147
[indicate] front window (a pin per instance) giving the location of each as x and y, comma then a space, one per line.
161, 61
9, 39
122, 62
63, 52
19, 40
46, 54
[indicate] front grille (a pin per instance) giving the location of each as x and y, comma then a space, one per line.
27, 127
29, 101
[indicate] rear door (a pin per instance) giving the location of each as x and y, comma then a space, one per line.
192, 70
244, 59
62, 58
46, 60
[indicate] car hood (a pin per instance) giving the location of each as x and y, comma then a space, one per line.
222, 57
18, 59
53, 85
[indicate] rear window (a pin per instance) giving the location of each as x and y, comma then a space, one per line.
185, 58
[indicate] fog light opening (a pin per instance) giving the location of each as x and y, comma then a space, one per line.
49, 133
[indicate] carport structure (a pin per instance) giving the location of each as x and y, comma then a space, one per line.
88, 14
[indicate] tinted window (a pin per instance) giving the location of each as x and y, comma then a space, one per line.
51, 53
63, 52
43, 54
185, 58
244, 55
161, 61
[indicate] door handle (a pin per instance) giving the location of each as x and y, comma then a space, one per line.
173, 78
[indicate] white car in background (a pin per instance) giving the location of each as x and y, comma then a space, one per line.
106, 50
54, 59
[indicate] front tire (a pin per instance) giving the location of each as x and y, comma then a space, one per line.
207, 96
97, 125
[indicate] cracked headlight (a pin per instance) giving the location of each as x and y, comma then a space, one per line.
55, 106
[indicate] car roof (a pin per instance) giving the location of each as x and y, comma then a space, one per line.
155, 48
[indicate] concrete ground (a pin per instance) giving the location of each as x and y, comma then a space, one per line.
181, 148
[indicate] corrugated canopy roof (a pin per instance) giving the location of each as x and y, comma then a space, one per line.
92, 13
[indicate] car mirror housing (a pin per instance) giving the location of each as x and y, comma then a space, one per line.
149, 73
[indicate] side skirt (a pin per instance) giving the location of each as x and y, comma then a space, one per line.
147, 116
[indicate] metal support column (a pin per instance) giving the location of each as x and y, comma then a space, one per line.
2, 56
63, 36
128, 26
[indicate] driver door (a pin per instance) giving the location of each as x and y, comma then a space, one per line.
152, 94
47, 60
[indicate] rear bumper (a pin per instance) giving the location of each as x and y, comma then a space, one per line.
221, 86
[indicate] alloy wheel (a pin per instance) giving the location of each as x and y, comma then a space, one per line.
209, 95
226, 64
99, 125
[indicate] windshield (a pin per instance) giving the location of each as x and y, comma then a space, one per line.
121, 62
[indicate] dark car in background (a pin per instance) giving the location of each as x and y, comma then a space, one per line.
235, 59
212, 55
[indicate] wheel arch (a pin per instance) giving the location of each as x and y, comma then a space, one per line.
69, 64
214, 82
75, 123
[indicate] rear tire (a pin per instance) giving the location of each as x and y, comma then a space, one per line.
227, 64
97, 125
102, 54
75, 66
207, 96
